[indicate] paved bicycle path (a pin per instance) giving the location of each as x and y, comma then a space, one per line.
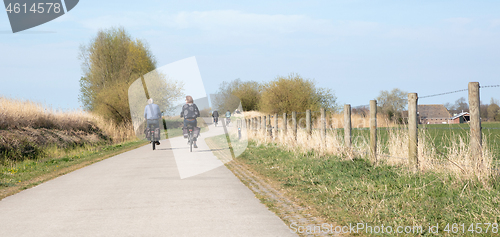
141, 193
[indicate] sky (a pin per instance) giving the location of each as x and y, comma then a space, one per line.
356, 48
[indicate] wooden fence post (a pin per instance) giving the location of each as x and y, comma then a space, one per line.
475, 127
269, 126
323, 125
260, 123
285, 123
276, 125
308, 122
294, 124
412, 131
373, 131
347, 126
264, 124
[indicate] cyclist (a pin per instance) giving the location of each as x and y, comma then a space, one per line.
228, 117
190, 112
152, 114
215, 115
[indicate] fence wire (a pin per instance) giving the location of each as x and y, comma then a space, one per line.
452, 92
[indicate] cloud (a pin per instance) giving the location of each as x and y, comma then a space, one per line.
232, 22
233, 27
236, 20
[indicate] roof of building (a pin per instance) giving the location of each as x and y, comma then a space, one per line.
459, 115
433, 111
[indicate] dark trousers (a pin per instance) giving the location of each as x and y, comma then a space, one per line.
193, 123
153, 122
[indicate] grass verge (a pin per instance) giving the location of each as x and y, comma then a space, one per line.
21, 175
354, 191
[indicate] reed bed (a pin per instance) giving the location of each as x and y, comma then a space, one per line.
22, 114
29, 130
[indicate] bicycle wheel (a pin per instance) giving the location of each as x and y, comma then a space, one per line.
190, 142
154, 145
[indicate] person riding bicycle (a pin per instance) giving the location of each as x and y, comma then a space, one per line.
152, 115
228, 116
190, 112
215, 116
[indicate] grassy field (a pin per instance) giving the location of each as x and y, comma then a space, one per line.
442, 134
355, 191
347, 189
439, 137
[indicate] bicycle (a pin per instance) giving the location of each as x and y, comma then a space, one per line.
190, 137
153, 135
216, 120
228, 120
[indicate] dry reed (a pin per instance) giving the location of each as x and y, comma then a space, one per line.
17, 114
454, 160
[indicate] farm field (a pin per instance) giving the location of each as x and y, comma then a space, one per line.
355, 191
440, 136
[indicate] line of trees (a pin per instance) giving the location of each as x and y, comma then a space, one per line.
283, 94
489, 112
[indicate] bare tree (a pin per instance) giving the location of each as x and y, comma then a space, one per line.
393, 102
231, 93
461, 104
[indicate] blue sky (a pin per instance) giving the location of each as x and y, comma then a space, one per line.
354, 47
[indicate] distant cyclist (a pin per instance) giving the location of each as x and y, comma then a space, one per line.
152, 114
190, 112
215, 116
228, 117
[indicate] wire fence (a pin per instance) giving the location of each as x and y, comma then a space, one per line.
452, 92
317, 122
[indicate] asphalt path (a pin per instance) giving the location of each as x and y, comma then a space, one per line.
166, 192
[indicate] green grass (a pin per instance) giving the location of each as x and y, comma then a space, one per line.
20, 175
440, 135
345, 191
443, 134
